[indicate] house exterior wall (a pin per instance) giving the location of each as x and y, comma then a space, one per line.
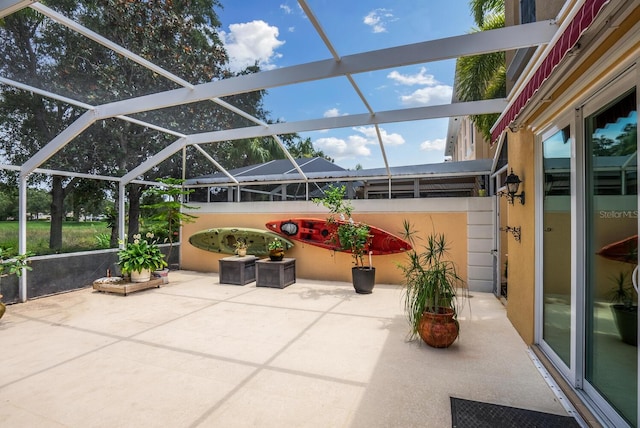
589, 78
469, 143
521, 158
443, 215
521, 301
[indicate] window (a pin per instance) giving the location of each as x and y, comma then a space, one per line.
527, 11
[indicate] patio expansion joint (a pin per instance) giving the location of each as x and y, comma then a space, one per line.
117, 339
266, 367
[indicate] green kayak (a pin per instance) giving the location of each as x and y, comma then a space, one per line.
223, 239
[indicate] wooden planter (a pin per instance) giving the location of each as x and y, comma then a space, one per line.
237, 270
438, 329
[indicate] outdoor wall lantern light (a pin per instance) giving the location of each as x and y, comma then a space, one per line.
513, 183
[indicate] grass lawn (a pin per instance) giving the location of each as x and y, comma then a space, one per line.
76, 236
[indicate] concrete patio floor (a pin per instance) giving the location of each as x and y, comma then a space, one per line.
196, 353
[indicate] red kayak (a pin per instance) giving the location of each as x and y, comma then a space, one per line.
625, 250
318, 232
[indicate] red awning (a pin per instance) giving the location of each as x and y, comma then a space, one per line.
583, 19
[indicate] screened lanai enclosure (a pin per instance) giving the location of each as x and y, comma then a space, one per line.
111, 96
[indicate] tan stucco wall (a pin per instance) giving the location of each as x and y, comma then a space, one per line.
447, 216
520, 306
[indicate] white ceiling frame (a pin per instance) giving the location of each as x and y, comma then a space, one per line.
63, 20
61, 140
7, 7
149, 163
390, 116
80, 104
213, 161
316, 24
452, 47
46, 94
513, 37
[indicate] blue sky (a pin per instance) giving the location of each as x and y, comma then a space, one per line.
277, 34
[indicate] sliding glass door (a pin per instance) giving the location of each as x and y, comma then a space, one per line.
556, 226
611, 242
588, 233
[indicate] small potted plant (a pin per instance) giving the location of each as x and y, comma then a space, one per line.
140, 257
351, 236
434, 292
241, 247
12, 266
276, 250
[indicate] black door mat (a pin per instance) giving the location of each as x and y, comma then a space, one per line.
475, 414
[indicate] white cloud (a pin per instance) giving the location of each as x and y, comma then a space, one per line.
436, 145
251, 42
378, 19
431, 95
353, 147
287, 10
420, 78
387, 139
356, 145
333, 112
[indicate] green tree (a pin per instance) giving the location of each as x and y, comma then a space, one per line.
169, 207
300, 148
38, 201
178, 36
482, 77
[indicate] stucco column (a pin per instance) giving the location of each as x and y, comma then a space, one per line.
521, 301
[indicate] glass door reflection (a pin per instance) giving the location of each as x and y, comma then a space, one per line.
611, 254
556, 331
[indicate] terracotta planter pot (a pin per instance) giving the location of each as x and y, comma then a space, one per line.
142, 276
438, 330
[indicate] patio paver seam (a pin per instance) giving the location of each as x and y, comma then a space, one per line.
200, 420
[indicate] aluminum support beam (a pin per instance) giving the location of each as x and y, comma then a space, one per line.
72, 131
80, 104
22, 234
392, 116
215, 163
121, 215
514, 37
7, 7
61, 19
163, 154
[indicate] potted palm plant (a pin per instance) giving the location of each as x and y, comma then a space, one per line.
140, 257
434, 292
12, 266
350, 235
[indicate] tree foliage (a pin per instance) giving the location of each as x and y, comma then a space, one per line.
181, 37
482, 77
